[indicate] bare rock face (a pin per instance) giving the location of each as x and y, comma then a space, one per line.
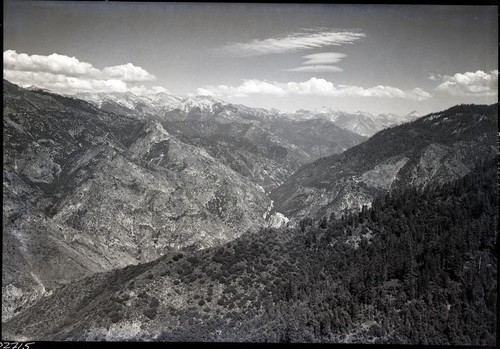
437, 148
88, 191
278, 220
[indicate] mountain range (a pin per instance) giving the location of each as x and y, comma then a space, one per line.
436, 148
125, 214
362, 123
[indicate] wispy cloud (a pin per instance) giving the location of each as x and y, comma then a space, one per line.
313, 86
320, 63
477, 83
69, 75
296, 41
316, 69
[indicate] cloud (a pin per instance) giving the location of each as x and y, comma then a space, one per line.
434, 77
316, 69
315, 38
127, 72
478, 84
320, 63
204, 92
143, 90
62, 83
57, 64
324, 58
313, 86
249, 87
68, 75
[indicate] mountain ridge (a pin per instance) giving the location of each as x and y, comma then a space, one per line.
391, 158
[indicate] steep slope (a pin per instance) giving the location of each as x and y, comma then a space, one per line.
418, 268
434, 149
104, 191
262, 145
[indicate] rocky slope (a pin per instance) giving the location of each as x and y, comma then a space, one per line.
87, 190
263, 145
436, 148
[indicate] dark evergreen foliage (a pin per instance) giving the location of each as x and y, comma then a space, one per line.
419, 267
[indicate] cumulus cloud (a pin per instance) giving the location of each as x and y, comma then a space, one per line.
433, 77
62, 83
127, 72
69, 75
143, 90
477, 83
57, 64
204, 92
313, 86
310, 39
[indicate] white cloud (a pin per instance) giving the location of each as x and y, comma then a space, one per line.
128, 72
68, 75
320, 63
293, 42
316, 69
260, 87
479, 83
204, 92
57, 64
434, 77
143, 90
63, 84
324, 58
313, 86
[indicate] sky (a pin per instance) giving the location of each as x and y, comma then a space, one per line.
370, 58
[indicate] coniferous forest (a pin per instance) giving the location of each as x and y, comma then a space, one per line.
418, 267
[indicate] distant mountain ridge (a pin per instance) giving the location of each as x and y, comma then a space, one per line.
436, 148
362, 123
264, 145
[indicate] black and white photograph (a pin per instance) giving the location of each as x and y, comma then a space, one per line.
249, 173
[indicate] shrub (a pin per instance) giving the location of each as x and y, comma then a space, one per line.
201, 302
150, 313
154, 302
115, 316
178, 256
